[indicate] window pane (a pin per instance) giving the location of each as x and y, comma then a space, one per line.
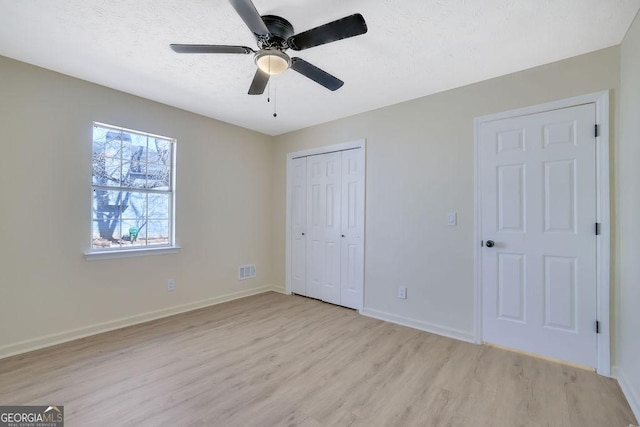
159, 206
106, 171
135, 206
158, 176
134, 152
137, 175
99, 134
107, 207
138, 140
159, 151
113, 148
158, 233
106, 142
127, 147
106, 159
99, 242
133, 233
133, 166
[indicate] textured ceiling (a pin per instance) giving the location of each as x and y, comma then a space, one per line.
413, 48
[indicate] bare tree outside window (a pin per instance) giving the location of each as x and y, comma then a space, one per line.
132, 189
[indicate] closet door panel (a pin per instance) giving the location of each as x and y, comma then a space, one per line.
352, 221
316, 218
323, 226
298, 226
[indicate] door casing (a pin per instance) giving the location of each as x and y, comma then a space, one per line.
360, 143
603, 240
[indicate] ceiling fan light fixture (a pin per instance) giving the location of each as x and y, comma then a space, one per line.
272, 61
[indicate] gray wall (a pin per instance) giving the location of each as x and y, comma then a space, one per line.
48, 292
627, 178
419, 167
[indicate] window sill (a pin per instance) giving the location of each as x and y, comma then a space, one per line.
130, 253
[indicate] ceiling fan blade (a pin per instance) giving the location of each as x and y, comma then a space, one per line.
259, 82
316, 74
210, 48
350, 26
250, 16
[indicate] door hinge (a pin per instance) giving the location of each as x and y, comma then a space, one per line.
597, 228
596, 131
597, 326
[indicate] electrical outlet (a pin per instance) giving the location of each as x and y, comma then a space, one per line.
402, 292
171, 285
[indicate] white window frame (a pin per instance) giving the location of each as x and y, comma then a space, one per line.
133, 251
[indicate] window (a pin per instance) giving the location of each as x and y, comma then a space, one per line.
133, 190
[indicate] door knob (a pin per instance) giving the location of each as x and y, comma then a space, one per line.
490, 243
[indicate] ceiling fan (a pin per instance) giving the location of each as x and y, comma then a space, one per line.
274, 35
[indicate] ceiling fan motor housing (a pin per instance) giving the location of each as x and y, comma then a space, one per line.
280, 30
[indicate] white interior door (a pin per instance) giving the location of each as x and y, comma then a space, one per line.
352, 229
538, 192
323, 226
298, 225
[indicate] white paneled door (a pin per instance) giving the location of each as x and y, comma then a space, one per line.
538, 192
327, 226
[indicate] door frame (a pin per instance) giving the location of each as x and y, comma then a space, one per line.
603, 241
351, 145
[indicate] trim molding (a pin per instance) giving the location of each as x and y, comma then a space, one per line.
98, 328
632, 395
278, 289
603, 241
444, 331
116, 254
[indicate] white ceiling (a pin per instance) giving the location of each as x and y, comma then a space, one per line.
413, 48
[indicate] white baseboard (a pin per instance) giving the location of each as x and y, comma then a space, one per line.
279, 289
419, 324
74, 334
632, 395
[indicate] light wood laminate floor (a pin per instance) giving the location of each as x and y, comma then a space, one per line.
283, 360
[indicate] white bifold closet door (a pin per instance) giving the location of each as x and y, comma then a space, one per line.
327, 226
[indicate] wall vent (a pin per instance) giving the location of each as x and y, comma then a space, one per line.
246, 272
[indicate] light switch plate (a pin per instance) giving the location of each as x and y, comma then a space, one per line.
452, 219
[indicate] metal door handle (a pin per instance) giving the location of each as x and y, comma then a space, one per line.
490, 243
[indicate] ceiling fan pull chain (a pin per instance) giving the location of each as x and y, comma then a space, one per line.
275, 99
